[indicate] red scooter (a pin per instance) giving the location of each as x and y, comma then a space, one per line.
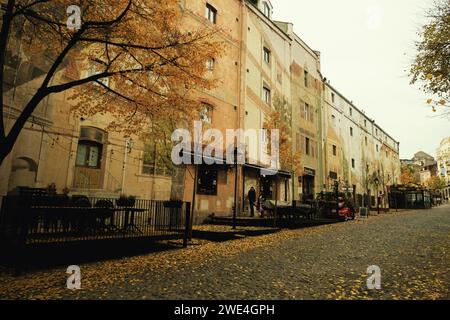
346, 209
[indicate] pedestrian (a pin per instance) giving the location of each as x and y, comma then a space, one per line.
252, 199
261, 205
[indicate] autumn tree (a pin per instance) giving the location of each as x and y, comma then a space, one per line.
280, 119
431, 66
435, 183
409, 176
138, 62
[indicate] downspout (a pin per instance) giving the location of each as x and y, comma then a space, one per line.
240, 112
125, 157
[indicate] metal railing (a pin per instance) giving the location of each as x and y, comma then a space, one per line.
30, 221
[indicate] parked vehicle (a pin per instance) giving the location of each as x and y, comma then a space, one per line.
333, 206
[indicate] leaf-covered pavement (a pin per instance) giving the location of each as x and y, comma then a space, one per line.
326, 262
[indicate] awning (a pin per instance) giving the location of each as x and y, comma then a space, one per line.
216, 161
268, 171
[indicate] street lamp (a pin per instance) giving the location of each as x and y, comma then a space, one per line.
237, 154
377, 182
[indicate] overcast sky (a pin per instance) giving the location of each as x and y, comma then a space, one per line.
367, 47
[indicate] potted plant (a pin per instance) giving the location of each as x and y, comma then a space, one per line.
126, 201
173, 204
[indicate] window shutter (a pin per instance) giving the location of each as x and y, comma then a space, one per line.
312, 111
302, 111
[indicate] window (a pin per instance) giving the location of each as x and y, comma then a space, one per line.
149, 158
353, 163
333, 120
306, 76
367, 141
211, 13
333, 97
365, 123
334, 151
351, 112
90, 148
351, 131
266, 10
210, 64
377, 148
307, 146
266, 95
88, 155
207, 181
307, 111
206, 113
266, 55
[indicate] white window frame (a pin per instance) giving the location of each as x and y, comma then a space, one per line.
267, 55
211, 13
267, 95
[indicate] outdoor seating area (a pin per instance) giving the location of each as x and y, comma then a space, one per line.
37, 218
410, 198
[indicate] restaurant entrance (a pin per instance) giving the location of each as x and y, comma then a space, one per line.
308, 184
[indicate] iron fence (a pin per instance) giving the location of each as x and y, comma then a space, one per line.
60, 219
29, 221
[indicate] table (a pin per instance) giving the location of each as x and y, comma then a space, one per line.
129, 224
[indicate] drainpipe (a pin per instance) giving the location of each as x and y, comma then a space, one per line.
241, 98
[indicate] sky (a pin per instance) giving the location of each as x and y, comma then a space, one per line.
367, 47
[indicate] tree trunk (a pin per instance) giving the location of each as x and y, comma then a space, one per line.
6, 27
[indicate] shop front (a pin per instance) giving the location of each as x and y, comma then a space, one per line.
268, 185
308, 184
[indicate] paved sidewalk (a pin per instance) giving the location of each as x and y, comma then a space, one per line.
326, 262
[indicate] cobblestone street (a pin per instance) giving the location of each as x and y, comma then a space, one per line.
326, 262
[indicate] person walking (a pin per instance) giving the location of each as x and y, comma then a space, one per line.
252, 199
261, 205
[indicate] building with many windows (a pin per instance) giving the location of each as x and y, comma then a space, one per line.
266, 66
443, 163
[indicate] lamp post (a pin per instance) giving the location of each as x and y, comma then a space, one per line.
377, 182
236, 162
396, 194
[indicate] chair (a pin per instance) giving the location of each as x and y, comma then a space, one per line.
105, 212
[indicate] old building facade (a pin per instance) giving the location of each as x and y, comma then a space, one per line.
361, 156
443, 164
264, 64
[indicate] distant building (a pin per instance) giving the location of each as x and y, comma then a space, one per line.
443, 164
423, 166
